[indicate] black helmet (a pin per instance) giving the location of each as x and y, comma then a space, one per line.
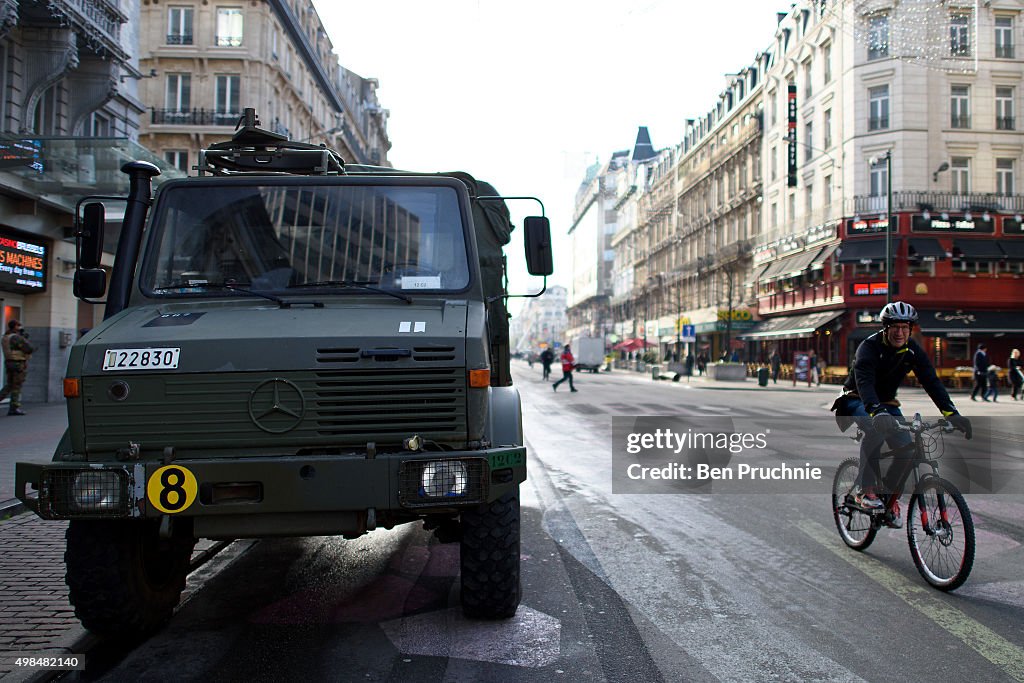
898, 312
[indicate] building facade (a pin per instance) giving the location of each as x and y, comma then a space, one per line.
541, 322
203, 63
70, 116
862, 110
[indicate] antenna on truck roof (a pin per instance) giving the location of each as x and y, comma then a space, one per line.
255, 151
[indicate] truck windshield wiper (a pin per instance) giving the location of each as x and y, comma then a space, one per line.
235, 287
358, 284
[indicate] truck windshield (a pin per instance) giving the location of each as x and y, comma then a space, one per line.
290, 238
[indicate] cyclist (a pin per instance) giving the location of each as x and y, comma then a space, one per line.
883, 360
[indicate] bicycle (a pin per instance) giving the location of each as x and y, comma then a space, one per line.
941, 535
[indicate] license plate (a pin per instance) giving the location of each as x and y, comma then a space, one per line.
507, 459
141, 359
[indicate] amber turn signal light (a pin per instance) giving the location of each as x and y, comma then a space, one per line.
72, 388
480, 379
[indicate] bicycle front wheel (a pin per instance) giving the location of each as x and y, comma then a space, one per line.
940, 531
854, 526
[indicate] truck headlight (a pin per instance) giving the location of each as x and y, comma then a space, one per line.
432, 483
444, 479
96, 492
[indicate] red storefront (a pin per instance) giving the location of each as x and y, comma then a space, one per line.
962, 270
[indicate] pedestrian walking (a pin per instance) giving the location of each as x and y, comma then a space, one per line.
1015, 370
980, 373
775, 360
689, 364
992, 375
547, 357
568, 363
702, 363
16, 351
812, 366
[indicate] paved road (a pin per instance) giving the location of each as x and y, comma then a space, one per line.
666, 587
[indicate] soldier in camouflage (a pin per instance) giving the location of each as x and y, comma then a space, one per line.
16, 354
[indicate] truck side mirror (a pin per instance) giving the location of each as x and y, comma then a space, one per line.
92, 236
537, 238
90, 283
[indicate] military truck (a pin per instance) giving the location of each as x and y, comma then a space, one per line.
291, 346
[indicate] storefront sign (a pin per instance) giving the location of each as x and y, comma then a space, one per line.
791, 110
868, 288
947, 223
22, 263
957, 316
865, 226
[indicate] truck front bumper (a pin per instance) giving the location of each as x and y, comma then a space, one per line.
404, 483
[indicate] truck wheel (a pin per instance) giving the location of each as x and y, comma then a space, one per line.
123, 578
490, 559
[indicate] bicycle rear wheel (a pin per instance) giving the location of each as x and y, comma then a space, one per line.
940, 531
854, 525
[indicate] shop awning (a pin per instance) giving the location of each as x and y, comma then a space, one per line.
791, 326
926, 249
824, 254
978, 250
1014, 249
758, 272
856, 251
961, 322
789, 266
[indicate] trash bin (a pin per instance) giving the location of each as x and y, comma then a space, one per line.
762, 376
655, 372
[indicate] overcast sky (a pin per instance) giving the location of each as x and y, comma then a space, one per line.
527, 94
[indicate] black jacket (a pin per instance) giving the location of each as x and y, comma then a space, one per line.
980, 362
879, 369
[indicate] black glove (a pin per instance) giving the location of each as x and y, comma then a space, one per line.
884, 423
962, 423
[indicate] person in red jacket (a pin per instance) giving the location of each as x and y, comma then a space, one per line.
568, 363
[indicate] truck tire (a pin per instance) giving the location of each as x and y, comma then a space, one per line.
490, 559
123, 578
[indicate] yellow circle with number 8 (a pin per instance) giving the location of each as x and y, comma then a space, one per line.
172, 489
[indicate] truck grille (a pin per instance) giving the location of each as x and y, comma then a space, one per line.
340, 407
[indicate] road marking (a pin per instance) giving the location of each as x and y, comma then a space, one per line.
977, 636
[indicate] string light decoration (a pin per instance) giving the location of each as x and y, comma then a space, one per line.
934, 34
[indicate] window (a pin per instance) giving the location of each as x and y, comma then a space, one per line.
961, 175
227, 108
959, 35
878, 107
809, 141
179, 25
772, 109
808, 79
773, 164
827, 187
827, 130
808, 198
826, 55
775, 215
273, 42
45, 119
177, 158
878, 36
179, 92
1004, 37
100, 125
792, 208
1004, 177
879, 176
1004, 108
229, 26
960, 106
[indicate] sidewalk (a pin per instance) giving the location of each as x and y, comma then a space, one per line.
32, 437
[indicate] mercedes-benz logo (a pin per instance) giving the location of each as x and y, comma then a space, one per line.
277, 406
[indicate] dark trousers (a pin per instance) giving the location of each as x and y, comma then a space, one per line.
871, 446
1016, 381
980, 385
775, 374
547, 370
565, 376
16, 371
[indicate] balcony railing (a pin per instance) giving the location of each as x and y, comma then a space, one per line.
913, 200
179, 38
878, 123
1005, 123
960, 121
1004, 51
194, 117
65, 169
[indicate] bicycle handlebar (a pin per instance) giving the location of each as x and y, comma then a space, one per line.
918, 426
